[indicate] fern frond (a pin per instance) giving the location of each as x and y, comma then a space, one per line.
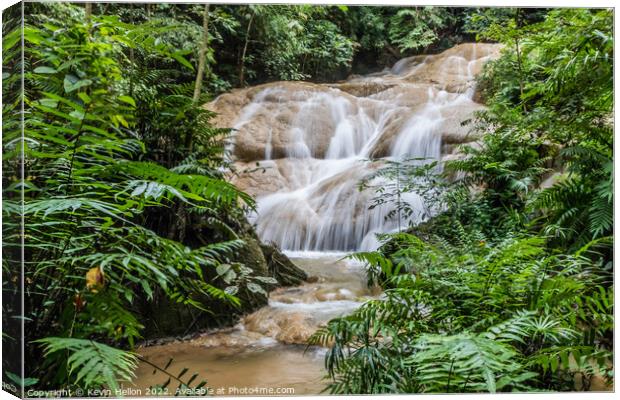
93, 364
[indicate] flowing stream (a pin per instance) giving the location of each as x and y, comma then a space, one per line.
267, 349
302, 149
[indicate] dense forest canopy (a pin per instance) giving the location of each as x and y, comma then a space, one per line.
250, 44
508, 287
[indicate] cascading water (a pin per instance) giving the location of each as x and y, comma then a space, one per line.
302, 150
320, 140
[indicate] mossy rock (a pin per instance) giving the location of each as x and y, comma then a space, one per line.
281, 267
251, 255
163, 318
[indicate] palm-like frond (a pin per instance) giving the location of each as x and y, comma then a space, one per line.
93, 363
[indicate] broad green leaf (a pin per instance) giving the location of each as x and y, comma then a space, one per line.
128, 100
182, 60
45, 70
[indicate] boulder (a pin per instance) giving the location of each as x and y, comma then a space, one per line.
392, 127
163, 318
256, 178
282, 119
363, 87
281, 267
453, 130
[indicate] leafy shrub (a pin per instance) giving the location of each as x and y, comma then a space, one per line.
85, 193
509, 287
464, 319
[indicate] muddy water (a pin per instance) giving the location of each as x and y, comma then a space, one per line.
266, 350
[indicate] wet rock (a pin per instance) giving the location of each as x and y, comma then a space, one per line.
251, 255
454, 128
258, 177
285, 119
227, 338
406, 96
363, 88
289, 327
300, 144
551, 179
163, 318
393, 126
280, 267
295, 119
453, 67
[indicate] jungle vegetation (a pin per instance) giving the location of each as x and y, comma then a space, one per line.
509, 287
119, 171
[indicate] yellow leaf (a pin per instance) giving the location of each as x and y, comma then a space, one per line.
94, 279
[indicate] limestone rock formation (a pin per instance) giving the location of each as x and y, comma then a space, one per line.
302, 148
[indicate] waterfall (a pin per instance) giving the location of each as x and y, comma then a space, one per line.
312, 145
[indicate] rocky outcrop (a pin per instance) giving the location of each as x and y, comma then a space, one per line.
259, 177
363, 88
163, 318
302, 149
295, 119
281, 267
284, 122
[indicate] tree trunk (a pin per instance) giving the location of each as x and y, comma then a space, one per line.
395, 52
519, 60
520, 67
245, 49
202, 57
88, 11
202, 65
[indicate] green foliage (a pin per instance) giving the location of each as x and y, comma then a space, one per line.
465, 319
253, 42
297, 43
508, 165
509, 286
256, 43
93, 364
466, 362
385, 34
550, 106
12, 94
418, 28
93, 250
393, 180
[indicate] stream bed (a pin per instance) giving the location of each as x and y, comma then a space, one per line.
266, 352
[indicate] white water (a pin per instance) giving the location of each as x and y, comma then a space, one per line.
329, 137
325, 210
313, 143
